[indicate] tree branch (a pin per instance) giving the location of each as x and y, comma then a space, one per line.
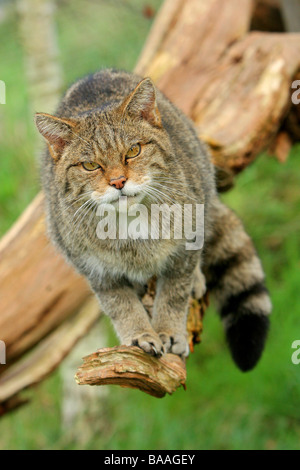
130, 366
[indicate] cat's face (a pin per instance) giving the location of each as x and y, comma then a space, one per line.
104, 155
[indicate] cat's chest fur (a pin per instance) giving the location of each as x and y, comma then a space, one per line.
136, 260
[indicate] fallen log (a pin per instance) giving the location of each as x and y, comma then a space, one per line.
235, 85
47, 355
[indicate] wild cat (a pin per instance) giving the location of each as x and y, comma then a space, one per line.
116, 136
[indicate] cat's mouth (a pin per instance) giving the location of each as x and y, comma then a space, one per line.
134, 198
132, 192
115, 197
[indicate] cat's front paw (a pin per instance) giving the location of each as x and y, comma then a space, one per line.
175, 343
149, 343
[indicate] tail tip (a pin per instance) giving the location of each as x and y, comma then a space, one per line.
246, 338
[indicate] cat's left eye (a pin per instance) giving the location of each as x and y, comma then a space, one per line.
134, 151
90, 166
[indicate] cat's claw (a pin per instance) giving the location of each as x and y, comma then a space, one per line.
175, 344
150, 344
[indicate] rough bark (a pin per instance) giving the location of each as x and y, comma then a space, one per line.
129, 366
46, 356
234, 84
132, 368
38, 289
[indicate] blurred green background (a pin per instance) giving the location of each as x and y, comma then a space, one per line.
222, 408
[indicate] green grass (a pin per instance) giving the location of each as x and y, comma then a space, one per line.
18, 173
222, 408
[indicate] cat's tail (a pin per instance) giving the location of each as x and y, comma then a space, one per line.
235, 277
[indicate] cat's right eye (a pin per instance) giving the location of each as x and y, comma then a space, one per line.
134, 151
91, 166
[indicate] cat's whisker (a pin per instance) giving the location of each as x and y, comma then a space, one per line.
81, 217
152, 195
79, 221
181, 193
73, 199
171, 183
94, 211
80, 208
85, 212
164, 195
69, 208
173, 178
173, 190
158, 194
168, 180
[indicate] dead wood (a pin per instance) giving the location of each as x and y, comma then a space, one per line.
48, 354
131, 367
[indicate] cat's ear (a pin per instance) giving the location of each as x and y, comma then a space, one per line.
142, 102
56, 131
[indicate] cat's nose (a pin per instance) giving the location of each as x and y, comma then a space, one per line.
118, 183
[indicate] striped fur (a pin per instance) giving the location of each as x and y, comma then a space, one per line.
235, 276
98, 121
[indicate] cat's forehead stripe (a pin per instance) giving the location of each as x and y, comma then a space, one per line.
109, 138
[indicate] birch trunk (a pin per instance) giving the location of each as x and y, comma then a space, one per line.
41, 54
